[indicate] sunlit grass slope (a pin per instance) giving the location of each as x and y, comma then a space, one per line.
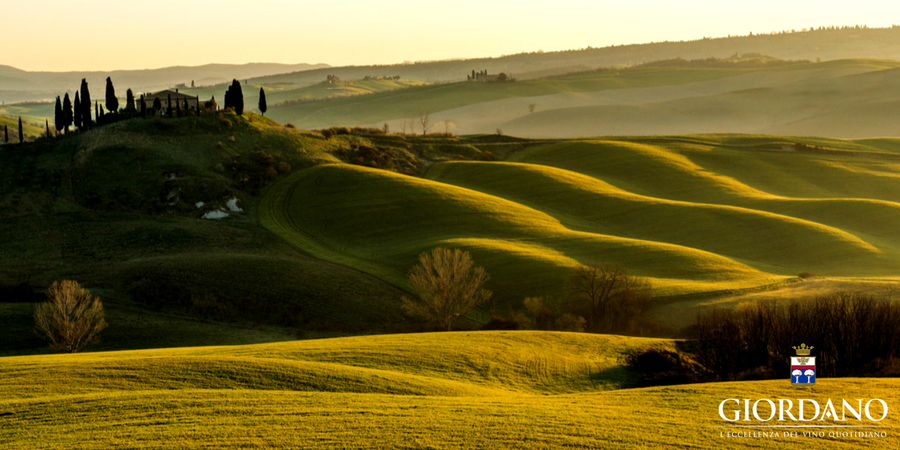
692, 213
379, 221
447, 390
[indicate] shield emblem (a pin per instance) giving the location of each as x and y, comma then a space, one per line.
803, 366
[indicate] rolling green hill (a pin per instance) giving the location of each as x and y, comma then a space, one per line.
695, 214
473, 390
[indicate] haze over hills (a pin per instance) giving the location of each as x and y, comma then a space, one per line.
20, 85
877, 43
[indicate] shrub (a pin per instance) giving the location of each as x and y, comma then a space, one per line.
614, 299
660, 366
805, 275
550, 313
327, 134
71, 318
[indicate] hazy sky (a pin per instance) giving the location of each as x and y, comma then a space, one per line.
63, 35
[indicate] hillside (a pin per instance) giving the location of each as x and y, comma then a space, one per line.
739, 94
473, 390
695, 214
120, 209
318, 237
827, 45
846, 99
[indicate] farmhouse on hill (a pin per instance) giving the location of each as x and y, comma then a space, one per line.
177, 99
484, 76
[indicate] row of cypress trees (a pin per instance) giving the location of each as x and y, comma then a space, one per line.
78, 113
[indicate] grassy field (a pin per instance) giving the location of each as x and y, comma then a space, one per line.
29, 125
447, 390
695, 214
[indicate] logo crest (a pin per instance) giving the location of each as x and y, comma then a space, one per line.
803, 366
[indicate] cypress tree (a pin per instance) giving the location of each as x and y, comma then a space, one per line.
47, 124
237, 97
96, 111
112, 103
129, 102
85, 105
143, 106
228, 98
77, 111
169, 106
5, 134
58, 118
177, 108
67, 112
157, 105
21, 136
262, 101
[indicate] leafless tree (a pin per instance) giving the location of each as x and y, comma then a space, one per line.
614, 297
447, 285
425, 120
448, 124
71, 318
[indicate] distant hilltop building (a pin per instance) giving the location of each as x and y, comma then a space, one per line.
485, 76
177, 98
332, 79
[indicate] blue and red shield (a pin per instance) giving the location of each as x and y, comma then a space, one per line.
803, 369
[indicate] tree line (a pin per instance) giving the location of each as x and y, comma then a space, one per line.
77, 112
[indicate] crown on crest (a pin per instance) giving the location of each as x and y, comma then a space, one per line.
803, 350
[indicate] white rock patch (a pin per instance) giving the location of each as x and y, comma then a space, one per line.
232, 205
199, 204
215, 215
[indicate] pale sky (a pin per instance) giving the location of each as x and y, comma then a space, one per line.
58, 35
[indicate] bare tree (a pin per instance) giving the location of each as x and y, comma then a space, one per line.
425, 120
70, 318
614, 297
447, 285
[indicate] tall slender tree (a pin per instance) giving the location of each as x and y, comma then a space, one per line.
67, 112
21, 136
77, 111
97, 111
58, 117
169, 106
143, 106
112, 103
129, 102
262, 101
5, 134
85, 105
47, 124
237, 97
